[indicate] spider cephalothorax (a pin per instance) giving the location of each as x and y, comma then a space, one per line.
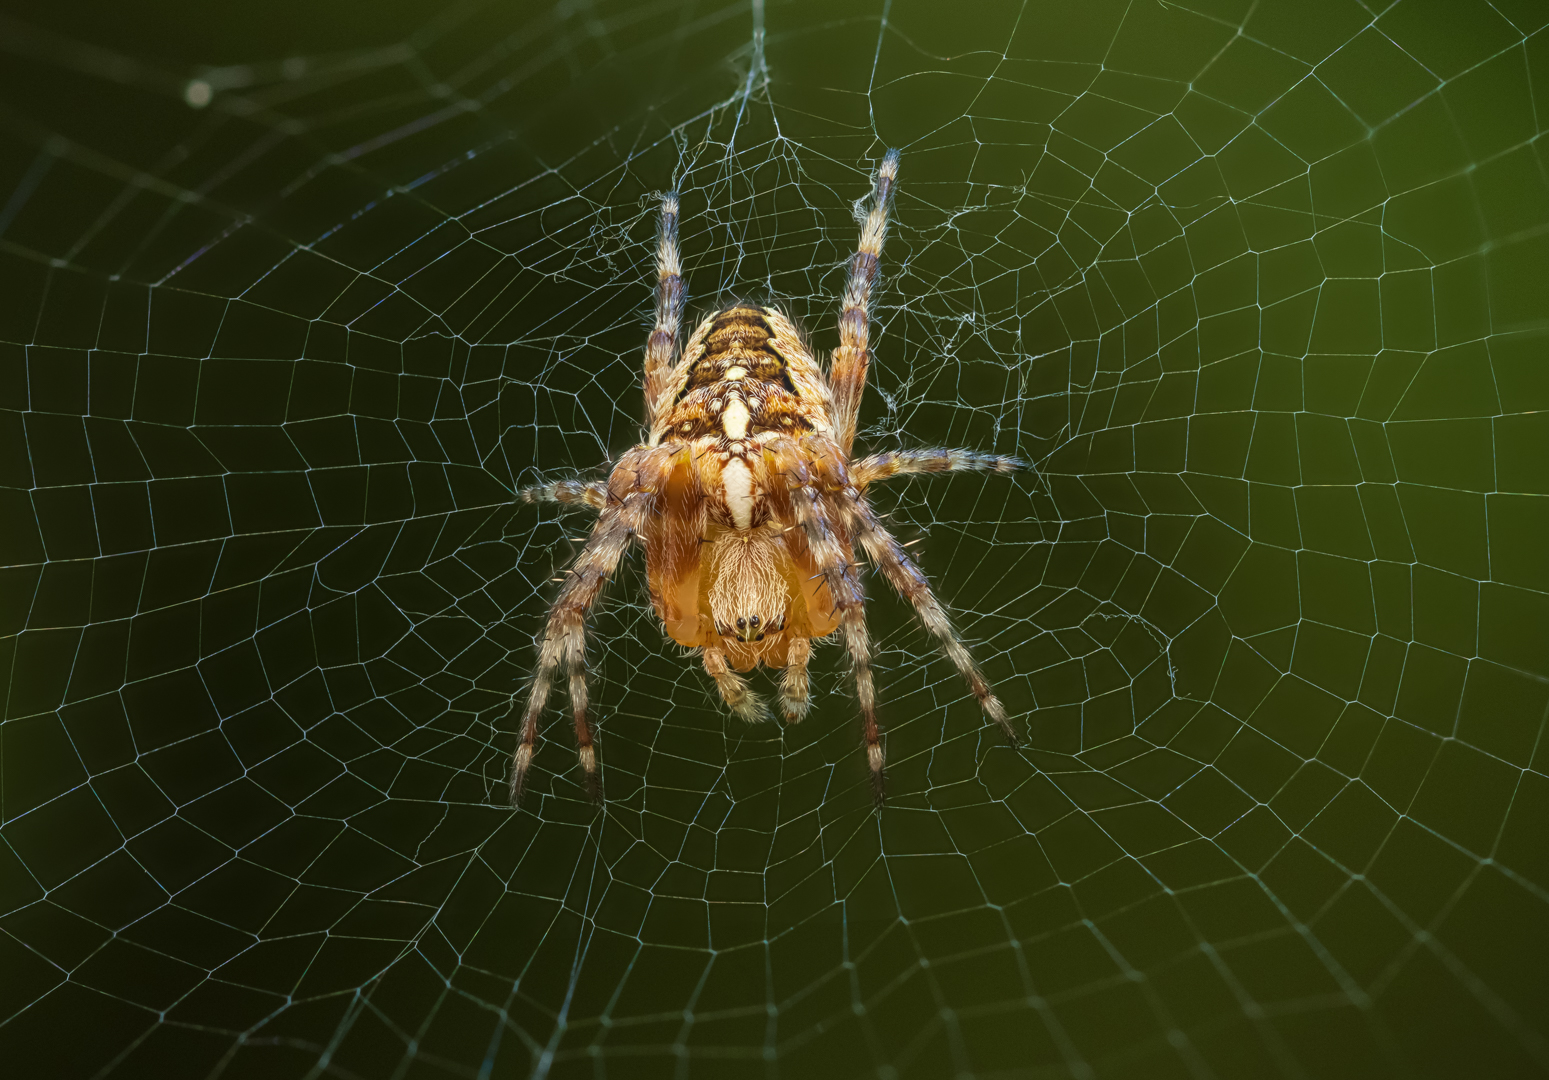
748, 505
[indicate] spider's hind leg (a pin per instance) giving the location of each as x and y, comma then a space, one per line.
734, 688
811, 512
639, 473
906, 576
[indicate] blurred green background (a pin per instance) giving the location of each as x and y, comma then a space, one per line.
295, 297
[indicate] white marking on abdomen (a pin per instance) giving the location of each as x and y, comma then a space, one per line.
739, 492
734, 421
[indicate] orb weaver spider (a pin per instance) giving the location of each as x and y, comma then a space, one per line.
749, 506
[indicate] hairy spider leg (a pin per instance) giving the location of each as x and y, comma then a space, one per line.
811, 512
795, 693
570, 492
734, 688
905, 575
662, 346
847, 370
844, 585
564, 636
877, 467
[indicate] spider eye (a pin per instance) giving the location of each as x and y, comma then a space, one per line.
753, 622
742, 624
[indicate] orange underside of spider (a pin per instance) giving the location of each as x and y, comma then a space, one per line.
749, 507
687, 552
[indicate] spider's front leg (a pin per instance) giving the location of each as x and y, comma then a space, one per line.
635, 483
847, 370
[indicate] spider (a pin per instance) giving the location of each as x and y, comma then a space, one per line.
748, 506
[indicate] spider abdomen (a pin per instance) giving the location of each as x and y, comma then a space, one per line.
746, 372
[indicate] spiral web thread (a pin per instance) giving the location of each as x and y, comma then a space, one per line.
1254, 289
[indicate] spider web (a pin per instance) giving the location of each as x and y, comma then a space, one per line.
1258, 288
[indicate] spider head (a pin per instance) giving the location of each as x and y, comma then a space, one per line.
750, 627
749, 596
